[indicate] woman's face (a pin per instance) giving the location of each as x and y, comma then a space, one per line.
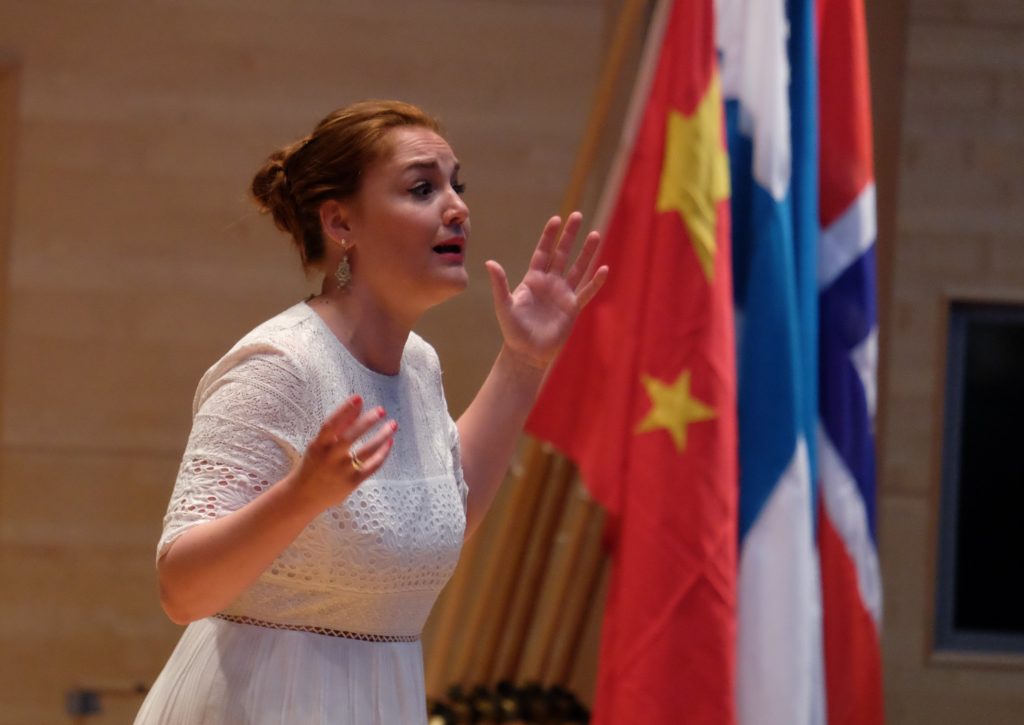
409, 224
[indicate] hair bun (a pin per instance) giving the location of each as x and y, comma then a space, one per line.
272, 194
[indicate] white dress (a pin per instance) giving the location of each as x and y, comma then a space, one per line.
329, 633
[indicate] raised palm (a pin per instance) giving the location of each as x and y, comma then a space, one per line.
537, 316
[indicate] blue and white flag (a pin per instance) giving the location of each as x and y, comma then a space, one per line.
769, 84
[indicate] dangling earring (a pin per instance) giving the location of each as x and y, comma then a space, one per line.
343, 274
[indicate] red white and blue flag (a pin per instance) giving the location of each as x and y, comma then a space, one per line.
769, 84
796, 90
848, 343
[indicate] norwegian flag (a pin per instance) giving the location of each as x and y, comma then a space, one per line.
848, 355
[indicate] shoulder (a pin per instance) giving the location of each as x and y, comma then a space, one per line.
420, 354
274, 354
422, 364
287, 330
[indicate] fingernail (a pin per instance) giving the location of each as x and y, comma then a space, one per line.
394, 425
380, 412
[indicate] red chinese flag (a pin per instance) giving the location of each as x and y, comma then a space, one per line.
643, 397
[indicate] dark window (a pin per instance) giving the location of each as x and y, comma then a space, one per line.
981, 536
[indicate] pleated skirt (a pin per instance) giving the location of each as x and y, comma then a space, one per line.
224, 672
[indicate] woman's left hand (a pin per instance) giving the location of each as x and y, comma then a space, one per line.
537, 316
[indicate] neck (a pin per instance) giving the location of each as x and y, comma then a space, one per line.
372, 333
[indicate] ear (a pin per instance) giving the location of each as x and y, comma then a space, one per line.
334, 221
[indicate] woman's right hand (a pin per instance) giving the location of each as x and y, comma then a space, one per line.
208, 566
334, 463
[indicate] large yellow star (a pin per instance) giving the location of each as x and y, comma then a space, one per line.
672, 408
695, 172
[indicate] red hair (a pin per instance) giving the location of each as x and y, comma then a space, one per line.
328, 164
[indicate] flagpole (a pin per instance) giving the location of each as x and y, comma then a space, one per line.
625, 29
510, 540
637, 101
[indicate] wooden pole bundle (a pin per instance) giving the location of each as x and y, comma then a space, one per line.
490, 608
582, 584
543, 527
576, 560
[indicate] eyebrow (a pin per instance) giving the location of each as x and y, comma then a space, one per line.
428, 164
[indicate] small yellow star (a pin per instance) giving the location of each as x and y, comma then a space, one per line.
673, 408
695, 172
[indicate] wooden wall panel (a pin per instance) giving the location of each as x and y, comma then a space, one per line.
9, 83
76, 564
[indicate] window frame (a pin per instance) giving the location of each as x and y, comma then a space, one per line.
950, 644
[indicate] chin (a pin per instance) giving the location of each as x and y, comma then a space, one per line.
450, 287
455, 278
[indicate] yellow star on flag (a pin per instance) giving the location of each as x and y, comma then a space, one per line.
673, 408
695, 172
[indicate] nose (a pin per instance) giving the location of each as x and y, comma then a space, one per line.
457, 212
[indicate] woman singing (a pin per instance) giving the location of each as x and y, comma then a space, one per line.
325, 491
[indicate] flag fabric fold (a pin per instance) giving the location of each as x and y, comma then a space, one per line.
643, 395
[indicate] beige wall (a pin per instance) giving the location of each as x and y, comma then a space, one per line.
960, 227
134, 261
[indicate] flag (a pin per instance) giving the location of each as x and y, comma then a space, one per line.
770, 88
847, 543
643, 395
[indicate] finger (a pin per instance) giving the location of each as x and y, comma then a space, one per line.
345, 413
363, 423
591, 288
565, 242
499, 284
542, 254
380, 438
583, 267
342, 417
375, 460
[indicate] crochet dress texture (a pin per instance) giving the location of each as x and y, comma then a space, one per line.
329, 633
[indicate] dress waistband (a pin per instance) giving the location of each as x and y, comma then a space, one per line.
319, 630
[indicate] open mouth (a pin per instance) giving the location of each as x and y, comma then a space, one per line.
454, 247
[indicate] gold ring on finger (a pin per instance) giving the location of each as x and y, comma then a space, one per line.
356, 463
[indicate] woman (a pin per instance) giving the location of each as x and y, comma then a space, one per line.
333, 488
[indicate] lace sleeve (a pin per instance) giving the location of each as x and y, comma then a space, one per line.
250, 423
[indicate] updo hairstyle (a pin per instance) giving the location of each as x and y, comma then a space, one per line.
328, 164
